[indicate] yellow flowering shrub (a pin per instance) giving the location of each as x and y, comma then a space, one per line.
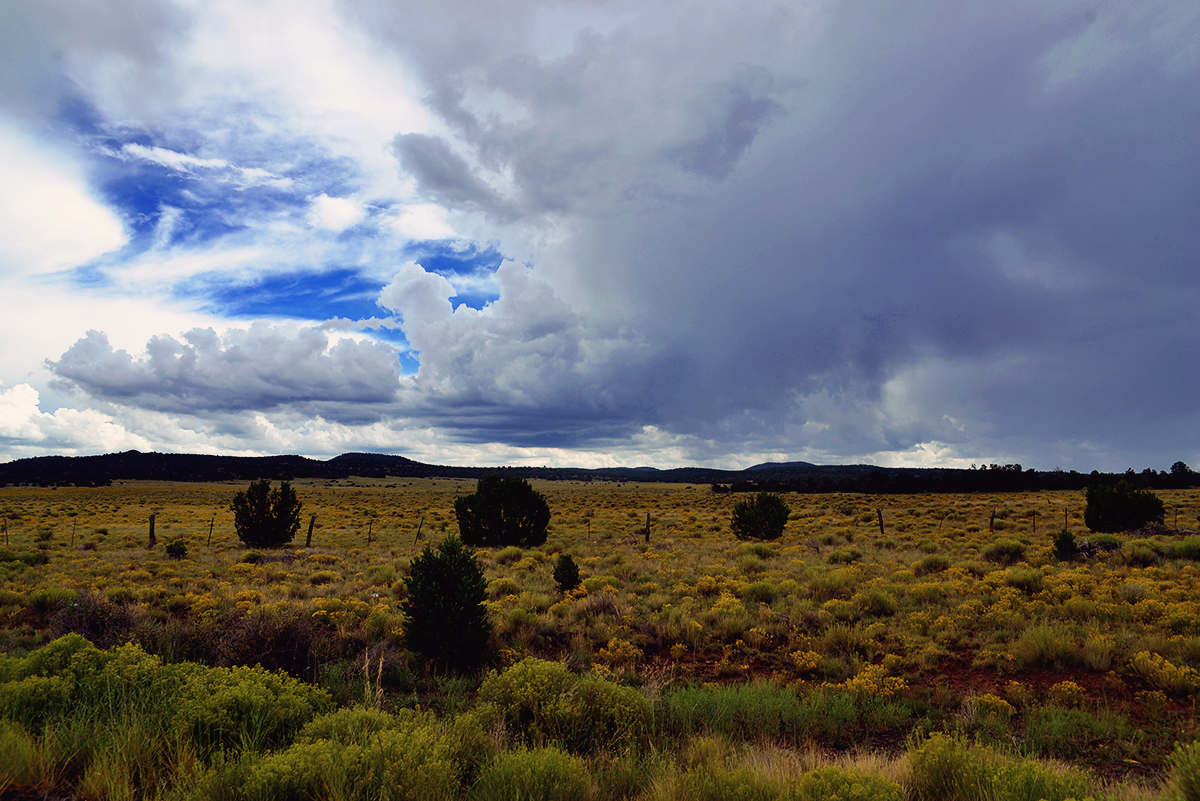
1164, 674
1066, 694
620, 652
872, 682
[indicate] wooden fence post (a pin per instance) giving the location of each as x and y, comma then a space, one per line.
879, 514
418, 537
153, 541
992, 521
312, 521
211, 523
370, 523
647, 526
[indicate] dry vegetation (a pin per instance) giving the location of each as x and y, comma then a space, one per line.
957, 619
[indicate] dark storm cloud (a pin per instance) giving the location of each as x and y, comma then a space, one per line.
991, 199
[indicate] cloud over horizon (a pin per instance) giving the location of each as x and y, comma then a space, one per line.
633, 233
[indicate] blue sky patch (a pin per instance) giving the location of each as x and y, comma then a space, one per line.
455, 259
307, 295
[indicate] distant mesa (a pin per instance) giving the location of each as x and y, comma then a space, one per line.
779, 465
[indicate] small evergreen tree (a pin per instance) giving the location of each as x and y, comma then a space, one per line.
566, 573
1121, 508
503, 510
446, 619
1065, 547
265, 517
760, 518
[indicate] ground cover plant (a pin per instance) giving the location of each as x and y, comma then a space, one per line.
962, 643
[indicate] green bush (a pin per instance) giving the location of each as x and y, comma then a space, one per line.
540, 774
446, 619
948, 768
1113, 509
247, 708
1186, 548
176, 550
1005, 551
1027, 581
1184, 764
566, 573
30, 558
844, 785
763, 592
503, 510
759, 518
541, 703
407, 757
876, 602
265, 517
720, 783
934, 563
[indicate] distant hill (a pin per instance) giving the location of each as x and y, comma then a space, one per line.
92, 471
776, 465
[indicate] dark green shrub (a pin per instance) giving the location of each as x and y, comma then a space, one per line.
760, 518
446, 618
1065, 548
503, 510
566, 573
1121, 508
176, 550
265, 517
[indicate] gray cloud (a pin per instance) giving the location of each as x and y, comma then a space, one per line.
992, 199
829, 231
446, 178
48, 46
255, 369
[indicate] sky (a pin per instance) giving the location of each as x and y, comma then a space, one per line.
590, 233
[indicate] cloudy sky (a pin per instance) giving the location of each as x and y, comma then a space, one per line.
578, 232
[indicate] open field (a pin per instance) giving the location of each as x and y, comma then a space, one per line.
836, 638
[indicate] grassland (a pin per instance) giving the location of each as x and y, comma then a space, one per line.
836, 642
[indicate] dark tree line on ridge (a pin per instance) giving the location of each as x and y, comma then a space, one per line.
49, 471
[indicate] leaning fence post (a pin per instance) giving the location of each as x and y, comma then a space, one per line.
370, 523
419, 529
879, 514
312, 521
211, 523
